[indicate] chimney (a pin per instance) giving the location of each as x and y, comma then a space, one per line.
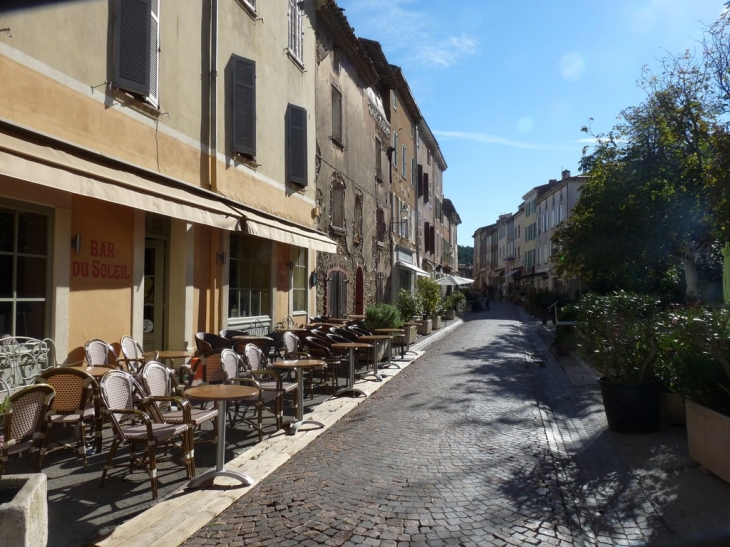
566, 174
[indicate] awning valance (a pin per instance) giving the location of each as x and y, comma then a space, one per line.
301, 236
413, 268
61, 170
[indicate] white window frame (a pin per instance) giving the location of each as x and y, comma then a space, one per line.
299, 273
296, 32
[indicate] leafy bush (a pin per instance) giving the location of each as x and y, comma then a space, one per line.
618, 334
430, 293
408, 304
382, 316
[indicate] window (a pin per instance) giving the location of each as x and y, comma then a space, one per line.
428, 156
338, 205
395, 149
358, 218
24, 237
249, 287
244, 106
414, 172
379, 287
378, 160
296, 45
426, 188
296, 145
336, 115
395, 100
249, 5
420, 180
380, 226
403, 173
137, 51
299, 282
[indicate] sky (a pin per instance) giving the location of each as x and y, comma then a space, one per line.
506, 86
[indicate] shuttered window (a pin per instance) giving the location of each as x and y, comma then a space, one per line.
420, 180
296, 145
295, 31
136, 53
244, 106
426, 190
337, 115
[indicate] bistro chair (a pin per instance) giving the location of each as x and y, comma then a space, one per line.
321, 348
100, 353
132, 426
270, 380
230, 333
170, 405
236, 372
207, 341
76, 404
133, 356
24, 425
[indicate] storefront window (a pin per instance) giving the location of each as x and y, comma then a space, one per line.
299, 284
249, 277
23, 272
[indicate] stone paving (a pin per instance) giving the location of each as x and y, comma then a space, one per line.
482, 441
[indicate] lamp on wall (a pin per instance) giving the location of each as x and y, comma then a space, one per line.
313, 279
403, 217
76, 243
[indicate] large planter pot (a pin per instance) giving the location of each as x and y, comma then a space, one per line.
450, 315
708, 437
23, 510
632, 408
425, 327
436, 322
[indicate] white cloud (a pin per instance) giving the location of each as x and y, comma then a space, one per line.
492, 139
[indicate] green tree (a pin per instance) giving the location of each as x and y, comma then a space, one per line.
466, 254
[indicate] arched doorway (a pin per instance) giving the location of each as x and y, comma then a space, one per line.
337, 293
359, 292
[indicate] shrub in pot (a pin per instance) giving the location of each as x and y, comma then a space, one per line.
618, 334
409, 304
430, 294
382, 316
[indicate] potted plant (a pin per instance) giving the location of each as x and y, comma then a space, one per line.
410, 307
382, 316
430, 294
618, 335
704, 378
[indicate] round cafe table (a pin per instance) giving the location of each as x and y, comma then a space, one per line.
167, 356
96, 371
351, 346
299, 365
220, 393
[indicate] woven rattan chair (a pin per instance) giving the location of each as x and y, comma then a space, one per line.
255, 361
321, 348
169, 404
100, 353
24, 424
207, 341
76, 404
133, 356
132, 426
236, 372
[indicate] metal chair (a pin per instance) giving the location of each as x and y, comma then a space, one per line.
133, 356
230, 333
100, 353
207, 341
132, 426
235, 371
24, 424
169, 403
76, 403
321, 348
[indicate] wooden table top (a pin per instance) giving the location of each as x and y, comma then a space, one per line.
251, 338
356, 317
351, 345
220, 392
375, 337
175, 354
411, 324
390, 330
96, 371
300, 363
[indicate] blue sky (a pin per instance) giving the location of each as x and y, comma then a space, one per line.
506, 86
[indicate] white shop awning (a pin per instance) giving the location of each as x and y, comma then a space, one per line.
413, 268
292, 234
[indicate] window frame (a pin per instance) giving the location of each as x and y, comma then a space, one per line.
337, 128
250, 259
301, 268
403, 160
295, 45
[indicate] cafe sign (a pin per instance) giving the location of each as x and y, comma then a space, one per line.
101, 263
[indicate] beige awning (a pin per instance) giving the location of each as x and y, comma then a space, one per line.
61, 170
301, 236
413, 268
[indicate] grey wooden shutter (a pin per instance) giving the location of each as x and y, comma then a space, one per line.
244, 106
420, 180
296, 145
426, 195
133, 45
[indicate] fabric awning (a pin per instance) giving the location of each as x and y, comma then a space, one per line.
269, 228
61, 170
413, 268
512, 272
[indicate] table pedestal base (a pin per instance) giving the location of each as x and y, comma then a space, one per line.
353, 390
294, 426
214, 472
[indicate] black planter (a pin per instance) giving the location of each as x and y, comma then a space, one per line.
632, 407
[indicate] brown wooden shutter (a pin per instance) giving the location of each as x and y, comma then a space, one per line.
432, 239
420, 180
296, 145
244, 106
425, 188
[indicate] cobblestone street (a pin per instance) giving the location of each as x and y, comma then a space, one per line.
476, 443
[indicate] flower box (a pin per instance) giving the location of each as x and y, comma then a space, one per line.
24, 510
708, 437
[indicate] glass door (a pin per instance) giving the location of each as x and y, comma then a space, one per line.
153, 326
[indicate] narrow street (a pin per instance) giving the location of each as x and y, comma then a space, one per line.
476, 443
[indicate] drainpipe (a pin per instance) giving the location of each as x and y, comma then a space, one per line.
418, 217
213, 89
